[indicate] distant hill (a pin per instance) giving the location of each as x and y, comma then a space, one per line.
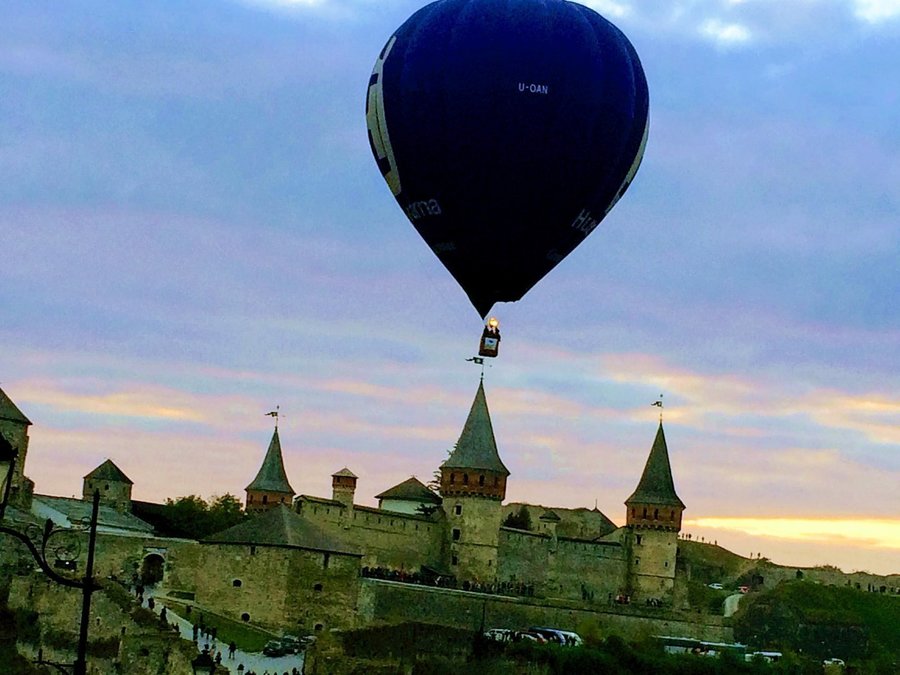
823, 621
709, 563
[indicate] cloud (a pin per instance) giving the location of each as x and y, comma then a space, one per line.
876, 11
869, 533
725, 34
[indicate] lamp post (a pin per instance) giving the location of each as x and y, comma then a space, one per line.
203, 664
38, 542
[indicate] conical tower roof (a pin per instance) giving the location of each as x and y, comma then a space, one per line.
9, 411
656, 485
271, 476
476, 447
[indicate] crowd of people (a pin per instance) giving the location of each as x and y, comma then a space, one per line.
447, 581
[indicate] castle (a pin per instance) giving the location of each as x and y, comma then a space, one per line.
305, 562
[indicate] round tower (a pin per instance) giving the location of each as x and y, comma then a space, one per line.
473, 485
652, 522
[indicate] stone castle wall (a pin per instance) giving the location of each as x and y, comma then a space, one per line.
236, 580
387, 539
561, 568
279, 588
389, 602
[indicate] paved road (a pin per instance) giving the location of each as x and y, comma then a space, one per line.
251, 661
731, 603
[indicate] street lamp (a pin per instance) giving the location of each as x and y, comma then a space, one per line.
38, 544
203, 664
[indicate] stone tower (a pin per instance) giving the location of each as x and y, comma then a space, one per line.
473, 485
271, 486
113, 484
653, 520
343, 490
14, 428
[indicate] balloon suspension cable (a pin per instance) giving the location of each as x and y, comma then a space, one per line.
659, 404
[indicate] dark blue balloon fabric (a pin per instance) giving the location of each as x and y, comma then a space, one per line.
507, 130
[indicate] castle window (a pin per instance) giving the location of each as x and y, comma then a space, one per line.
666, 564
106, 487
481, 480
265, 499
452, 478
237, 583
252, 550
638, 540
456, 533
326, 557
637, 561
645, 512
655, 514
458, 509
454, 560
490, 563
282, 500
465, 479
245, 617
318, 588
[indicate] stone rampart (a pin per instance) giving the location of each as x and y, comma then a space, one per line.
390, 602
561, 568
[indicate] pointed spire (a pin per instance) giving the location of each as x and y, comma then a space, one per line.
656, 485
477, 448
271, 476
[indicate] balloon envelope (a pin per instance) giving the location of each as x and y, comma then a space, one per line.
506, 130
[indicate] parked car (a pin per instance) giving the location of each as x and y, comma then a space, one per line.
499, 634
716, 587
288, 644
563, 637
276, 648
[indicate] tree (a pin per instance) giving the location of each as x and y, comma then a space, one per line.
520, 520
198, 519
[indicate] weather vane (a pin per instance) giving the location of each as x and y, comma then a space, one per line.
478, 361
275, 413
659, 404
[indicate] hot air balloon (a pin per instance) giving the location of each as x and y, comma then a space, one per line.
506, 130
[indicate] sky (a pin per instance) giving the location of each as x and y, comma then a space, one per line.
194, 232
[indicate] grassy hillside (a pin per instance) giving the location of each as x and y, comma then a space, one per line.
823, 621
713, 564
